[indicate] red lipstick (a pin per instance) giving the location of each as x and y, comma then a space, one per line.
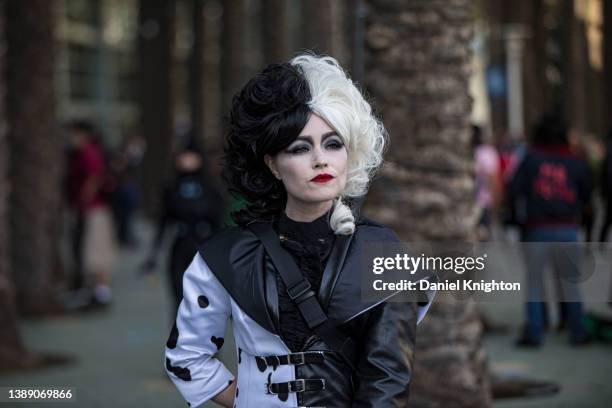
322, 178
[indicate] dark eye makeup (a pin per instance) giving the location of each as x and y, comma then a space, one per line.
301, 148
333, 142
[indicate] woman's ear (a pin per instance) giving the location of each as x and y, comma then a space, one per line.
269, 160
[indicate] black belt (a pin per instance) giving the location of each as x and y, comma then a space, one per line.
308, 357
296, 386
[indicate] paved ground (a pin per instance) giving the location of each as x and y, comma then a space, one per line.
120, 353
583, 373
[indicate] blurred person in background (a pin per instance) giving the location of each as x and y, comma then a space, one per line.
194, 206
556, 186
488, 182
126, 197
606, 189
93, 238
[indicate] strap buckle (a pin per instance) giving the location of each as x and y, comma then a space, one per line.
269, 388
298, 289
297, 385
297, 358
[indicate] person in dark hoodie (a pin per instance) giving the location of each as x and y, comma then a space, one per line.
556, 186
195, 207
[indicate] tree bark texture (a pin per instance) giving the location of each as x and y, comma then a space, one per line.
36, 153
417, 70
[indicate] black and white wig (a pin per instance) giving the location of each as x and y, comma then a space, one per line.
269, 113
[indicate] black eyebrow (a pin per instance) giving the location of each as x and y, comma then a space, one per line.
308, 138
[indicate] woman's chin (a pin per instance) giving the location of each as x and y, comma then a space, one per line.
317, 199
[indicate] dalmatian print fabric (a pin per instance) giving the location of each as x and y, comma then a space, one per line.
197, 336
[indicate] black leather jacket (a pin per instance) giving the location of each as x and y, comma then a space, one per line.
384, 331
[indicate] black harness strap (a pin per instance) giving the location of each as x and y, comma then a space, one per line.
301, 293
308, 357
296, 386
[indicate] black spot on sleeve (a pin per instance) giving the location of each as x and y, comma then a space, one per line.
283, 396
173, 338
203, 301
182, 373
217, 341
261, 364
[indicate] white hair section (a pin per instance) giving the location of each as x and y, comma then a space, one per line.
338, 101
342, 220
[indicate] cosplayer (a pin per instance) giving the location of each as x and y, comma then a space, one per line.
303, 144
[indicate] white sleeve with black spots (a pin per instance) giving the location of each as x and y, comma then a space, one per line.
198, 335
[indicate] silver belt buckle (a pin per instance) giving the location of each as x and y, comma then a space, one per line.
300, 358
268, 390
300, 385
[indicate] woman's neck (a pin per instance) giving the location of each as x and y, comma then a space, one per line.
306, 212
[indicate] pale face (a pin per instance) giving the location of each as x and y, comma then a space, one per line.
313, 169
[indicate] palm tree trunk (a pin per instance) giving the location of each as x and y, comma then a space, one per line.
10, 339
274, 30
535, 62
36, 153
196, 70
417, 68
156, 96
607, 44
573, 69
323, 28
232, 53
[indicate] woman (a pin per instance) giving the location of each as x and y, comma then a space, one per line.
302, 141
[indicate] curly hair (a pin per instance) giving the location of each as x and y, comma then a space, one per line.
266, 116
271, 111
337, 100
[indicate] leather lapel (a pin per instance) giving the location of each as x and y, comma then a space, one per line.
272, 292
333, 267
237, 260
331, 273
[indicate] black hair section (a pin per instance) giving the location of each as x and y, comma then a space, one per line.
266, 116
551, 129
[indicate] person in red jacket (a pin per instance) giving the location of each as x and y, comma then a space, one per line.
94, 244
555, 185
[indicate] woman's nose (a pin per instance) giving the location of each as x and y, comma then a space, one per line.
319, 159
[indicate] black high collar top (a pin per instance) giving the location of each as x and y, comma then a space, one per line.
309, 244
314, 232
